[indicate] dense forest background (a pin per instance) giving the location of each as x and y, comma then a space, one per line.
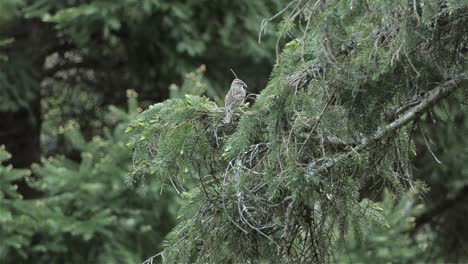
352, 147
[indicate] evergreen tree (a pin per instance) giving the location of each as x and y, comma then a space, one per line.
97, 49
285, 182
389, 242
442, 145
87, 212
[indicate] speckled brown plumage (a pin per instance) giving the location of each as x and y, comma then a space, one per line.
234, 98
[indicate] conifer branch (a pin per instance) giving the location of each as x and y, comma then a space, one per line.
425, 104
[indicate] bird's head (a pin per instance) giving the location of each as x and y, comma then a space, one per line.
238, 83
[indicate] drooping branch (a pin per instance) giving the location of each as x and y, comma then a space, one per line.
432, 98
425, 104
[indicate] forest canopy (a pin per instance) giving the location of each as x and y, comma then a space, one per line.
304, 164
350, 145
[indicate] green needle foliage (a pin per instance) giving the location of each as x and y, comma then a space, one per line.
55, 54
443, 137
88, 213
113, 44
390, 242
285, 182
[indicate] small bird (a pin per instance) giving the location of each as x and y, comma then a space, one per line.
234, 98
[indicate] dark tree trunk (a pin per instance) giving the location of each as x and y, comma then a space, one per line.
20, 133
20, 129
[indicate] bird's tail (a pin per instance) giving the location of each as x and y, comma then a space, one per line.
227, 116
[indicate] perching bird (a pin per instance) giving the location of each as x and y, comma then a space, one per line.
234, 98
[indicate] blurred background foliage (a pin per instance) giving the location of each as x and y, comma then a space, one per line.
390, 242
87, 212
67, 68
